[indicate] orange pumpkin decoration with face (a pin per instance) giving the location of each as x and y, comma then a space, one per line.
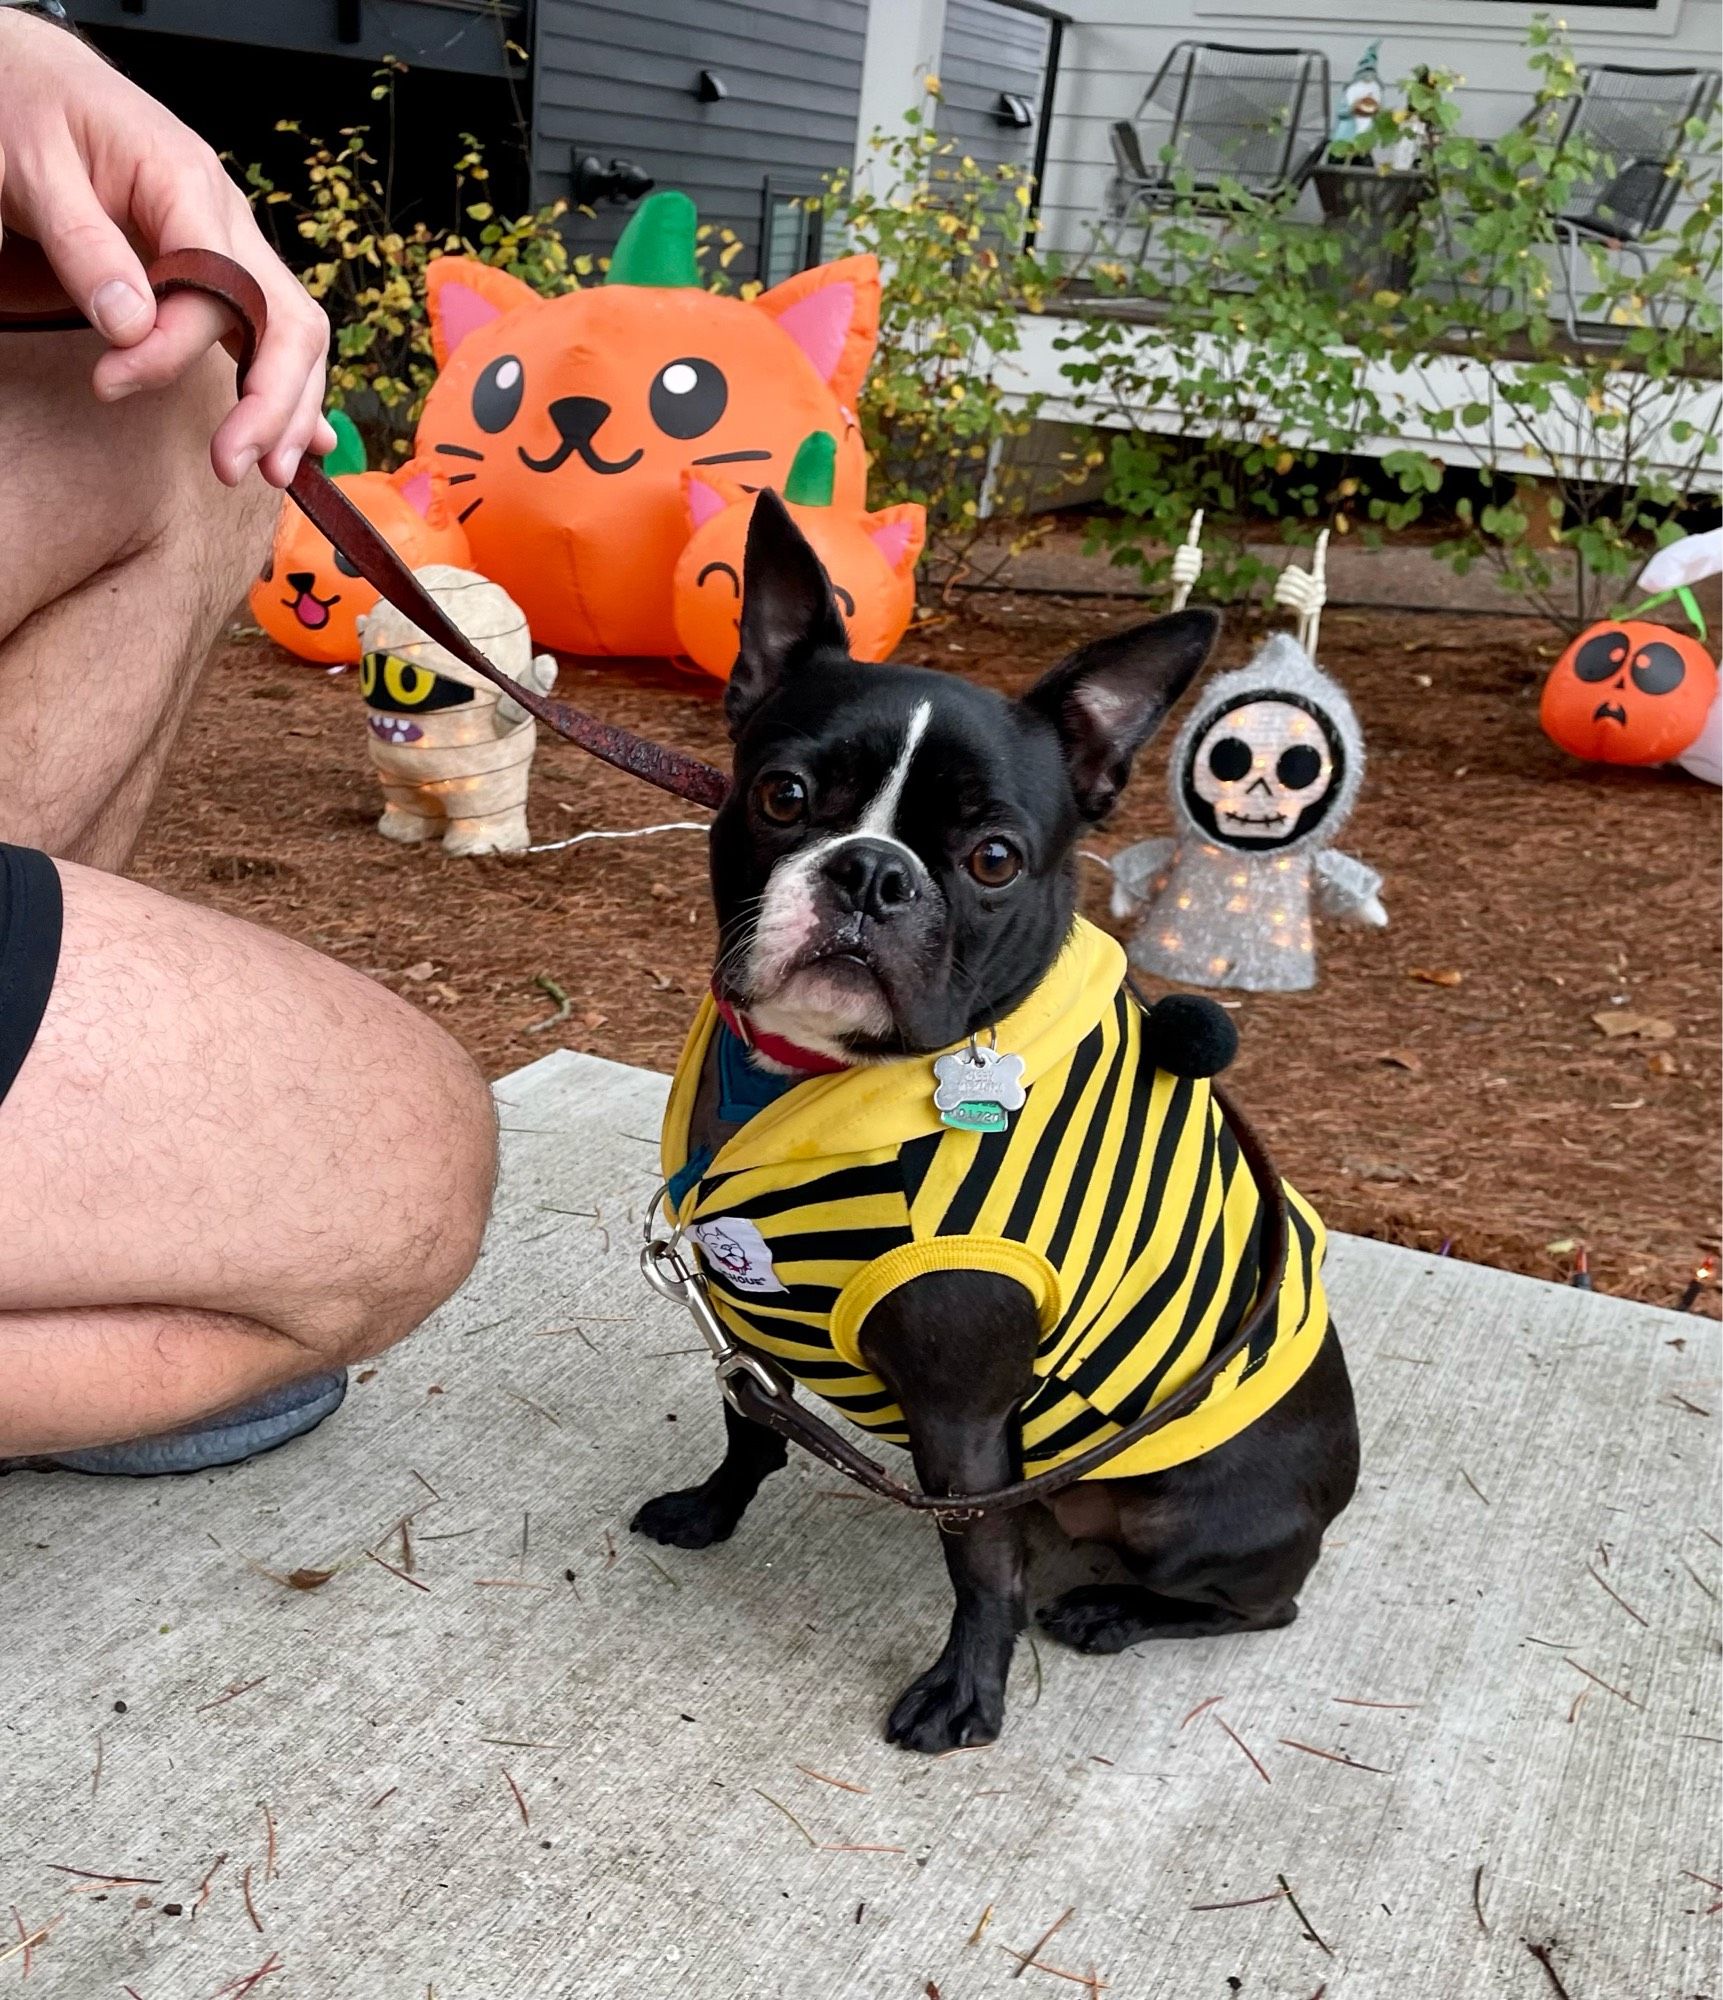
1629, 692
869, 559
567, 423
309, 599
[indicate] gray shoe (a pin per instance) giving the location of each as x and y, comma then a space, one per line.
227, 1438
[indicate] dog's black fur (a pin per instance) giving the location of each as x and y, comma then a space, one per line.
891, 954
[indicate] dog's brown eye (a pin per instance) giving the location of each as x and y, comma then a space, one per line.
995, 863
781, 798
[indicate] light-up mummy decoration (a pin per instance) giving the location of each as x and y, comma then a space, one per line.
453, 754
1263, 777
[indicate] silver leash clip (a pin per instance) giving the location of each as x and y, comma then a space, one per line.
672, 1277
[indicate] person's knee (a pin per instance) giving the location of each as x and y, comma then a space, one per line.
417, 1246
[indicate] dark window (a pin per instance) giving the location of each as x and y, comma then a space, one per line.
789, 229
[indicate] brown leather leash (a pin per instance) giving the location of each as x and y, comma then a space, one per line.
754, 1389
748, 1383
221, 279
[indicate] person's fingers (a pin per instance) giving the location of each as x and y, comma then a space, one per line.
285, 381
323, 438
97, 268
279, 464
186, 325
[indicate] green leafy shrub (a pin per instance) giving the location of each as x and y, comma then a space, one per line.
1269, 356
367, 269
951, 238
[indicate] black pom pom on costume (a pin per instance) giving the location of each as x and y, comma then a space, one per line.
1190, 1036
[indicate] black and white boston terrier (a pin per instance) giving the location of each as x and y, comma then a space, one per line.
894, 875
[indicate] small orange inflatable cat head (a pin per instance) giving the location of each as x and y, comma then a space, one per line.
568, 423
309, 599
869, 559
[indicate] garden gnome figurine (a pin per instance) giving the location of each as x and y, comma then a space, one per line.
1362, 98
1263, 776
454, 753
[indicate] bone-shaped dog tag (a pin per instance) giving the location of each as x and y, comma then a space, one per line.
975, 1088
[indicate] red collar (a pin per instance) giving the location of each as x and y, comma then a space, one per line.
776, 1048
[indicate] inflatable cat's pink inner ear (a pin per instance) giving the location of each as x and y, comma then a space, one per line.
425, 488
899, 533
704, 500
832, 314
463, 296
464, 312
820, 325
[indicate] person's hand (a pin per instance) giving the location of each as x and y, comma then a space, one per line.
94, 172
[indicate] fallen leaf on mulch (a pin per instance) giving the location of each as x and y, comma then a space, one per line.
1615, 1022
1563, 1246
421, 971
308, 1579
1443, 976
1382, 1170
1407, 1059
1661, 1063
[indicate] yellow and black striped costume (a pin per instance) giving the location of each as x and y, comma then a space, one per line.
1117, 1196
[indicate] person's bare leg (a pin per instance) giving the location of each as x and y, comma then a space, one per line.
229, 1163
124, 555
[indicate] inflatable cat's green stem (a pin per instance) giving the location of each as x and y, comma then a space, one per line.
349, 452
657, 247
813, 471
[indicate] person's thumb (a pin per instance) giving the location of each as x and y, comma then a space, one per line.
97, 268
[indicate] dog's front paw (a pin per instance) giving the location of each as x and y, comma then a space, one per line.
946, 1709
691, 1519
1096, 1619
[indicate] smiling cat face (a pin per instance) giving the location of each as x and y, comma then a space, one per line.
566, 424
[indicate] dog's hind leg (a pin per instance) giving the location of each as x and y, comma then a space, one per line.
698, 1516
1224, 1542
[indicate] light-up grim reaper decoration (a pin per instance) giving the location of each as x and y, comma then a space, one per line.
1262, 779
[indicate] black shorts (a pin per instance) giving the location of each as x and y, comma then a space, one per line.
29, 952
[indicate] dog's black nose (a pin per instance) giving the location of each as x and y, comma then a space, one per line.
871, 876
301, 579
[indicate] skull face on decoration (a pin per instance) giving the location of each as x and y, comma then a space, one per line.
1263, 772
1263, 776
1272, 759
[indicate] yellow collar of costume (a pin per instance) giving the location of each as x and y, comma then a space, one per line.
886, 1104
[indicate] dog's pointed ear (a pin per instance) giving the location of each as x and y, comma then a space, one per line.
1108, 698
787, 610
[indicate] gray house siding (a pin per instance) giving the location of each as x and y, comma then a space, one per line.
618, 80
988, 50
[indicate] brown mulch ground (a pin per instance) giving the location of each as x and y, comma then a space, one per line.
1492, 1113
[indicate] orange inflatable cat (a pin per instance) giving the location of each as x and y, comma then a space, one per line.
869, 559
309, 599
566, 424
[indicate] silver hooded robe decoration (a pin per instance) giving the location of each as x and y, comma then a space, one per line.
1263, 776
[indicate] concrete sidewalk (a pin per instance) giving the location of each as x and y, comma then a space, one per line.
522, 1754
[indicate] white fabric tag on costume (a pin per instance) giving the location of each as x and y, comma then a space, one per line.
735, 1247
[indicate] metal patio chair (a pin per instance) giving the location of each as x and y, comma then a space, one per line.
1636, 121
1218, 114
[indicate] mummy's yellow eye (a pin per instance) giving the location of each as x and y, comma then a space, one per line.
368, 675
407, 683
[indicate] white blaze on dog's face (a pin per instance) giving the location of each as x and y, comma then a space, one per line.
819, 1005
